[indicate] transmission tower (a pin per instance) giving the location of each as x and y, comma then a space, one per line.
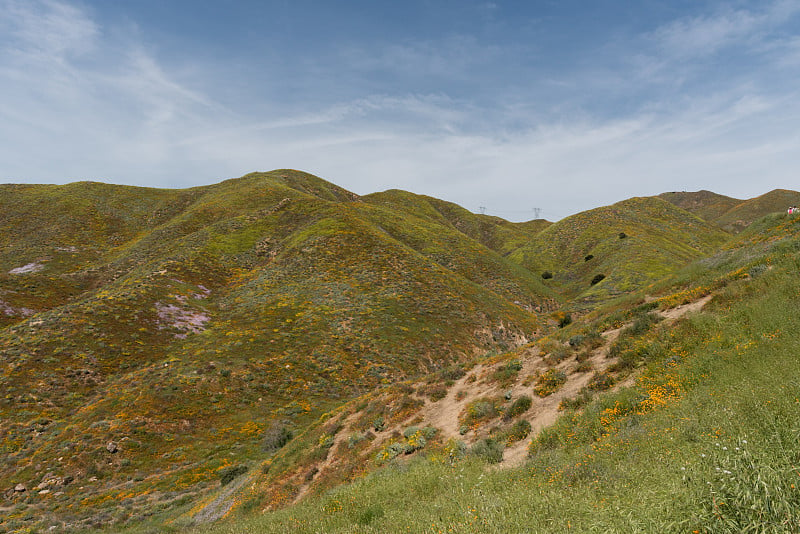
536, 212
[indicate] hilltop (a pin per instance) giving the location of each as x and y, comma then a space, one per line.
286, 336
731, 214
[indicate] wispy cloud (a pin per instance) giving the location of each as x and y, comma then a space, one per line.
86, 103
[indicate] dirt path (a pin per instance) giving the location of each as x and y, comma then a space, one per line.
329, 460
223, 503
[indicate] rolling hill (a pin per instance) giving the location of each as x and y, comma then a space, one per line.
730, 214
282, 336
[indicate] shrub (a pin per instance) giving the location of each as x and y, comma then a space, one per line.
489, 449
454, 372
518, 407
507, 372
379, 424
642, 324
576, 340
600, 382
227, 475
583, 367
549, 382
588, 257
454, 450
518, 431
547, 275
275, 437
481, 409
623, 235
597, 279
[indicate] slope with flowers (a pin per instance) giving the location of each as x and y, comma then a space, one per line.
693, 428
151, 337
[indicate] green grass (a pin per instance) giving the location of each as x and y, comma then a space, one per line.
706, 441
345, 302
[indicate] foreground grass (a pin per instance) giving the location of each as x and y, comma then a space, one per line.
706, 442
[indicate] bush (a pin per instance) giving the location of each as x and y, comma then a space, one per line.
518, 431
562, 318
574, 341
227, 475
489, 449
547, 275
378, 425
275, 437
600, 382
518, 407
623, 235
507, 372
481, 409
549, 382
454, 372
597, 279
589, 257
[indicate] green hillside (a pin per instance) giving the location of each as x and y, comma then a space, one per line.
731, 214
178, 325
169, 357
707, 205
745, 213
620, 248
703, 439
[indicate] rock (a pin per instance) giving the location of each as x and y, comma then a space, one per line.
111, 447
44, 492
19, 488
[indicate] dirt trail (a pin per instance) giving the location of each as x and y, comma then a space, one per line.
443, 414
544, 411
220, 506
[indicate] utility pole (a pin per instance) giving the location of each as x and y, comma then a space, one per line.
536, 212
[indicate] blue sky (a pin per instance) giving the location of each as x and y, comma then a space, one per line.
562, 105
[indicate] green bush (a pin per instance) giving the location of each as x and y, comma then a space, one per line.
518, 407
600, 382
547, 275
489, 449
518, 431
597, 279
227, 475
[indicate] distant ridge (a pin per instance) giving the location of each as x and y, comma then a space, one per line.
731, 214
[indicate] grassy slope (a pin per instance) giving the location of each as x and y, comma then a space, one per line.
741, 215
309, 301
730, 214
660, 238
705, 204
705, 441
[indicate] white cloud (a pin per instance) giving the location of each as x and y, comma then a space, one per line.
84, 104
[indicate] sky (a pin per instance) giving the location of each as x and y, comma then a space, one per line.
515, 109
